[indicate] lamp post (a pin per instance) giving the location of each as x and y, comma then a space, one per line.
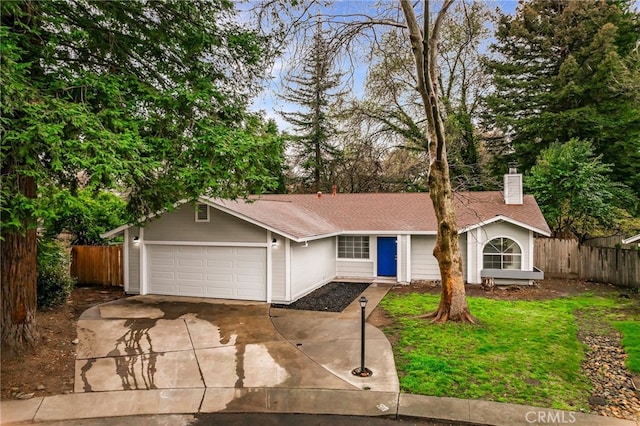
362, 371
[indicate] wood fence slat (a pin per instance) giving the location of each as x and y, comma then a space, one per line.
97, 265
566, 258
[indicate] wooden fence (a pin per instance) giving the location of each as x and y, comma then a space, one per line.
97, 265
566, 258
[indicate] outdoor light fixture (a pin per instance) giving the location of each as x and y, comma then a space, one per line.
136, 239
362, 371
274, 242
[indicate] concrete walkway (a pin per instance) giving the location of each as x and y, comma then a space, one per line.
158, 355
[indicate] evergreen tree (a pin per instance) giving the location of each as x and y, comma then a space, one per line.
316, 89
570, 69
149, 97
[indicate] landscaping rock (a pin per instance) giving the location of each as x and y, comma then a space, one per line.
333, 297
25, 395
613, 393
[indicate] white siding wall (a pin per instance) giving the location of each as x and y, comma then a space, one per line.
481, 236
134, 261
355, 268
423, 265
401, 256
278, 282
312, 266
462, 243
180, 225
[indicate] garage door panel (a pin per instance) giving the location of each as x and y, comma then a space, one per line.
220, 264
222, 272
246, 278
161, 261
252, 264
164, 289
187, 250
248, 294
189, 276
219, 292
163, 275
219, 251
189, 263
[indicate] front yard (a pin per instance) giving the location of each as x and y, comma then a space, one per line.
535, 352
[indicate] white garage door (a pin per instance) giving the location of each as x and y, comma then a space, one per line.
221, 272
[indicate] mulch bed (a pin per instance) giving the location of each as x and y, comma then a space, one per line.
332, 297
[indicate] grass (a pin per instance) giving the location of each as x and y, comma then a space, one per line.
631, 342
524, 352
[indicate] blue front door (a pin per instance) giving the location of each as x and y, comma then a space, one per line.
387, 255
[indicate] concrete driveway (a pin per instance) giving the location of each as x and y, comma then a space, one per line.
157, 342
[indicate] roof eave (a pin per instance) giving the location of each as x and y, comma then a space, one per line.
119, 229
506, 219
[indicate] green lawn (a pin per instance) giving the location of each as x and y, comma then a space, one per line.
523, 352
631, 342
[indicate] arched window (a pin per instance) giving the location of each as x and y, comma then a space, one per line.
502, 253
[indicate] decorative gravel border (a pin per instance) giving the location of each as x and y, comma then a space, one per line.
332, 297
613, 393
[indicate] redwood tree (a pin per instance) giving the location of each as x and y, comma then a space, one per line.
145, 97
424, 43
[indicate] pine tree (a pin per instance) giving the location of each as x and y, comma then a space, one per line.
316, 90
570, 69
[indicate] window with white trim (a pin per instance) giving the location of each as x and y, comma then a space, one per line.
353, 247
502, 253
202, 212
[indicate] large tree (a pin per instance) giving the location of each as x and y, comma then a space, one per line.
574, 190
147, 97
570, 69
393, 110
424, 44
361, 24
315, 87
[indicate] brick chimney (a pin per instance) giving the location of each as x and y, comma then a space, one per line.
334, 190
513, 185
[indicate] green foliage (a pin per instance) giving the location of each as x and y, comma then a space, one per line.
85, 215
146, 97
573, 189
54, 283
315, 88
631, 342
566, 70
523, 352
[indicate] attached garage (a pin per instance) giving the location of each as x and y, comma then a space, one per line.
207, 271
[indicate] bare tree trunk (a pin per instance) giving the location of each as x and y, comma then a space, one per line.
18, 281
453, 301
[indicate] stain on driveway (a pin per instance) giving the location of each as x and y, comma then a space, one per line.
157, 342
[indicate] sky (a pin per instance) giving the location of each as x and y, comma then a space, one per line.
270, 104
268, 100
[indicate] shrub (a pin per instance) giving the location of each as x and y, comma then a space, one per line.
54, 283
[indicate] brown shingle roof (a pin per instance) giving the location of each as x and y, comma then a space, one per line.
306, 215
